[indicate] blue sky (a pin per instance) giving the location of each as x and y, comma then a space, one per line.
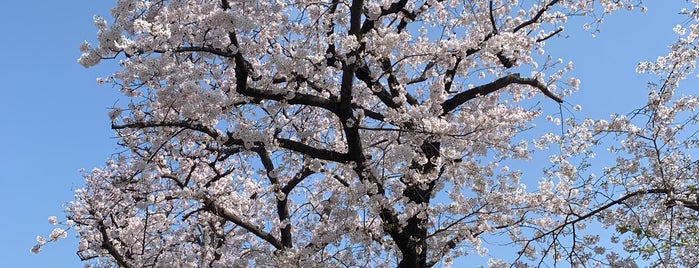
53, 115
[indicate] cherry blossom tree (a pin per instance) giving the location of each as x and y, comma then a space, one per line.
374, 133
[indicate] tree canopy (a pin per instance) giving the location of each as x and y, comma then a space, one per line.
376, 133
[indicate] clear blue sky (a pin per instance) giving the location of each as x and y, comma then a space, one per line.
53, 115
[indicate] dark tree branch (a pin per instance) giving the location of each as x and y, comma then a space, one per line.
423, 75
301, 79
211, 50
332, 58
218, 253
266, 163
450, 74
394, 8
501, 57
299, 147
282, 205
452, 243
419, 193
356, 18
693, 205
211, 132
313, 152
504, 60
242, 66
411, 16
298, 178
341, 181
371, 114
393, 81
459, 99
536, 17
377, 89
292, 145
552, 34
217, 177
225, 5
349, 123
602, 208
109, 246
492, 17
351, 130
297, 98
228, 215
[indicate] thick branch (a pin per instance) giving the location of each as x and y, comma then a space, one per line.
282, 205
299, 147
693, 205
349, 123
449, 75
109, 246
292, 145
235, 219
379, 91
242, 66
371, 114
459, 99
330, 51
300, 176
354, 143
296, 98
313, 152
393, 81
356, 18
394, 7
211, 50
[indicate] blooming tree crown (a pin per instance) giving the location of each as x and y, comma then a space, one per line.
359, 133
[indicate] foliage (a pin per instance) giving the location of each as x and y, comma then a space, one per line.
374, 133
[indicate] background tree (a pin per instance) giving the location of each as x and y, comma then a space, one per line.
371, 133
